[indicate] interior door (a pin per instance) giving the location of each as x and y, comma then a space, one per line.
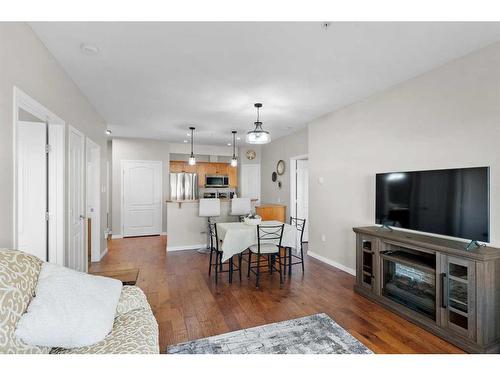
250, 181
141, 192
302, 190
93, 201
32, 188
76, 257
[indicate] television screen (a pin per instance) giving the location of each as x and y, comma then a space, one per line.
451, 202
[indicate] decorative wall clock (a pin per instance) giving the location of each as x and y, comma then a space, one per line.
280, 168
251, 154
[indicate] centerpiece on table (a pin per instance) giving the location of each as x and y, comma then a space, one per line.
252, 219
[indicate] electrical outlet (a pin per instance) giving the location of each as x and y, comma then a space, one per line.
323, 238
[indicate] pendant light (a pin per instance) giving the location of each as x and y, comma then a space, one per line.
258, 136
234, 160
192, 159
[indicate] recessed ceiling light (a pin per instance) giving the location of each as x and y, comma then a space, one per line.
229, 144
188, 134
326, 25
185, 141
88, 49
238, 138
108, 132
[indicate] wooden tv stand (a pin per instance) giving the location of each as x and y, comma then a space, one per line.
433, 282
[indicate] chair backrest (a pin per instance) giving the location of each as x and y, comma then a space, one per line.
214, 237
209, 207
300, 225
240, 206
270, 234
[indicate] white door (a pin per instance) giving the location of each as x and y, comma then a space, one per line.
76, 257
94, 199
302, 202
32, 199
141, 192
250, 181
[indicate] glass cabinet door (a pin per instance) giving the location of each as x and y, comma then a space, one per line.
366, 265
458, 296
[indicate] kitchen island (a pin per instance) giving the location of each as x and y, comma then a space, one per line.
186, 230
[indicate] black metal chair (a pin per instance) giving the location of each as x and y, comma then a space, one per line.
217, 262
300, 225
268, 245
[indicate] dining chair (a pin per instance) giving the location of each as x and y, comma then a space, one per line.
268, 245
299, 225
217, 262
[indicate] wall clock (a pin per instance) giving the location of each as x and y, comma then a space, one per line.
280, 168
251, 154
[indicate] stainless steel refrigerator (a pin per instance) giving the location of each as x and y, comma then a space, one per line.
183, 186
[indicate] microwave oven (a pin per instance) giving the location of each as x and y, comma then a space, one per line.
212, 181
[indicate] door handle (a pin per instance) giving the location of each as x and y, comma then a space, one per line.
444, 291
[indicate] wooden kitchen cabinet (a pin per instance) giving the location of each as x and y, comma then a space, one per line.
271, 212
203, 168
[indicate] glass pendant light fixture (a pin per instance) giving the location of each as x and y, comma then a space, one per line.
234, 160
258, 136
192, 159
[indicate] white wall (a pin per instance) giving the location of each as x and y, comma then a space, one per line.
449, 117
185, 148
138, 149
283, 148
27, 64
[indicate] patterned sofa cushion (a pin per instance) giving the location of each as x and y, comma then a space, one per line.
132, 298
135, 332
18, 278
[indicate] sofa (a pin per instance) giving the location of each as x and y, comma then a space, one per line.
135, 330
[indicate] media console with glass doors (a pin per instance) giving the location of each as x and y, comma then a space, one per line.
433, 282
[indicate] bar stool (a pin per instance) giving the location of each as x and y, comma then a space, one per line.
240, 207
209, 208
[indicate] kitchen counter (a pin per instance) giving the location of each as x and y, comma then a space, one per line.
186, 230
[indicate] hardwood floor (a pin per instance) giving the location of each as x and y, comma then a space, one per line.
188, 305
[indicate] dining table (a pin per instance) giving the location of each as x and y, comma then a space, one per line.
236, 237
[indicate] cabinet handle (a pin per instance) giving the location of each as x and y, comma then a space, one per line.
444, 291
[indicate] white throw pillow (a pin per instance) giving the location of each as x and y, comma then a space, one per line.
70, 309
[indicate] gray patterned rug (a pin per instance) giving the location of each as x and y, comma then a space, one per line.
314, 334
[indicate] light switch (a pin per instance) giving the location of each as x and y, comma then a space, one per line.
321, 180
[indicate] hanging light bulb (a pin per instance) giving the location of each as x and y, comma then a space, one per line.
192, 159
258, 136
234, 160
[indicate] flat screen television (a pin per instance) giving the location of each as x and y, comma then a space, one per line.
451, 202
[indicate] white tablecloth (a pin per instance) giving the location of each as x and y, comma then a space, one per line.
237, 237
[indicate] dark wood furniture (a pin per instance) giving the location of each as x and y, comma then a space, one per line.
126, 276
433, 282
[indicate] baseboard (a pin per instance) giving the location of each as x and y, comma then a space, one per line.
332, 263
186, 247
103, 253
116, 236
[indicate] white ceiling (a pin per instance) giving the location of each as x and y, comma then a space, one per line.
153, 80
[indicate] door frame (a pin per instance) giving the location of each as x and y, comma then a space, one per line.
293, 183
122, 192
84, 254
91, 146
56, 175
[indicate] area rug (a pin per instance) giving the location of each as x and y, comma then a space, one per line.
314, 334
